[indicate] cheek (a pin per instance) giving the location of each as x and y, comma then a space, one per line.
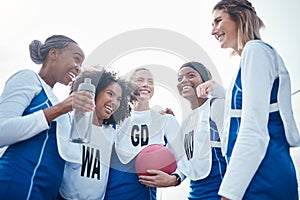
117, 106
229, 43
100, 100
151, 89
194, 81
231, 37
99, 106
179, 87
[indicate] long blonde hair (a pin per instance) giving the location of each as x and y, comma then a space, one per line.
244, 14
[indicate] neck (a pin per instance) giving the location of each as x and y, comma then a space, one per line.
198, 103
97, 121
140, 106
44, 74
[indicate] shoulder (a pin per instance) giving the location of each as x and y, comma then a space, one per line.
167, 118
25, 76
217, 108
107, 132
257, 56
217, 103
22, 87
26, 73
171, 119
24, 80
109, 128
257, 46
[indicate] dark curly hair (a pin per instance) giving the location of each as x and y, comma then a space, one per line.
102, 78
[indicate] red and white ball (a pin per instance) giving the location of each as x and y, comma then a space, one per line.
155, 156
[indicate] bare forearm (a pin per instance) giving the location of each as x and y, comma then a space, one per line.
54, 111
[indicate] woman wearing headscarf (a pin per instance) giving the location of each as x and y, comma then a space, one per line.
198, 150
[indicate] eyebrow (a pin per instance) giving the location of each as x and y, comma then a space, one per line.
80, 54
143, 78
114, 94
110, 90
190, 72
216, 19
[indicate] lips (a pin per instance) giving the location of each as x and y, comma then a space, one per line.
144, 91
72, 75
186, 88
219, 37
109, 109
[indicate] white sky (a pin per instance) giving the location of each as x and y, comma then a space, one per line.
91, 23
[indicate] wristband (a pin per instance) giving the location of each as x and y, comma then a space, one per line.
178, 179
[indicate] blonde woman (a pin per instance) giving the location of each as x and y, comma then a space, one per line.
260, 125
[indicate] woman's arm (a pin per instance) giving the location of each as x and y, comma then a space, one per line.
253, 138
18, 92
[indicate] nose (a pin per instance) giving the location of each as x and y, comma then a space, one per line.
145, 83
115, 102
184, 79
214, 29
78, 67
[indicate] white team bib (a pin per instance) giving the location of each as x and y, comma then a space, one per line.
196, 163
132, 137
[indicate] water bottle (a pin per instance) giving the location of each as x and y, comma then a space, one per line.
82, 121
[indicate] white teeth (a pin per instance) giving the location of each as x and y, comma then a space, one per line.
187, 87
109, 108
144, 91
219, 37
72, 76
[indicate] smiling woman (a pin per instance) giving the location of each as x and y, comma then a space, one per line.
24, 20
28, 114
143, 128
203, 161
258, 110
86, 176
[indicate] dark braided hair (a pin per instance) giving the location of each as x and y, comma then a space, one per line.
39, 51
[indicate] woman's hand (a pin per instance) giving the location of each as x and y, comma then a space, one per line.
80, 100
158, 178
167, 111
224, 198
205, 89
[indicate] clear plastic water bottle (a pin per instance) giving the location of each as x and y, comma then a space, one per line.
82, 121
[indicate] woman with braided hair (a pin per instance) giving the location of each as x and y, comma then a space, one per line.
35, 125
259, 126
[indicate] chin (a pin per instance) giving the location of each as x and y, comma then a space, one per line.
145, 98
222, 46
186, 96
107, 116
225, 46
